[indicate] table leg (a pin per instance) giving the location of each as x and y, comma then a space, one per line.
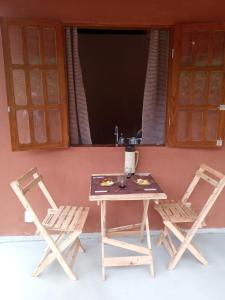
144, 216
145, 259
149, 239
103, 231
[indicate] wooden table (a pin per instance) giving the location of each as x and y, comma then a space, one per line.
132, 192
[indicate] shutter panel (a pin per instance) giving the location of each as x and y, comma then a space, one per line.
35, 75
196, 115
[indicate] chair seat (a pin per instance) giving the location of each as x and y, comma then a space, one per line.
66, 218
176, 212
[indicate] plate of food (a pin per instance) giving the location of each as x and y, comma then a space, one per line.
107, 182
142, 181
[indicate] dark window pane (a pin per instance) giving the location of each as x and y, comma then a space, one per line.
197, 125
218, 48
22, 118
182, 125
49, 46
184, 87
55, 126
199, 87
19, 86
211, 132
39, 126
33, 45
215, 87
186, 49
52, 86
36, 86
201, 44
16, 44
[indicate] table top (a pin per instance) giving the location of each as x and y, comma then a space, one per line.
132, 191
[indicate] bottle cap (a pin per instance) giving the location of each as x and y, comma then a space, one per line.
129, 148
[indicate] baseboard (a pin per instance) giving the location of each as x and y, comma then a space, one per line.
94, 235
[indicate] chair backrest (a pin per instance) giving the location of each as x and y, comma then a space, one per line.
211, 176
26, 183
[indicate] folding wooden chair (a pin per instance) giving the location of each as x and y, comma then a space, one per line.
174, 213
66, 221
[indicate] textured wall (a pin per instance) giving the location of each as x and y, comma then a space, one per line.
67, 172
117, 12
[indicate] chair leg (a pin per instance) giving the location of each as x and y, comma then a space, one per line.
160, 239
152, 269
74, 253
57, 254
66, 267
81, 247
186, 244
181, 251
166, 240
45, 255
171, 244
177, 257
168, 247
62, 262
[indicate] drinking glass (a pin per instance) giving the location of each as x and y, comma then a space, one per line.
122, 181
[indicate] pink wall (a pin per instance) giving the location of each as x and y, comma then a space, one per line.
67, 172
117, 12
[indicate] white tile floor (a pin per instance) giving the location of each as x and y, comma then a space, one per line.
190, 280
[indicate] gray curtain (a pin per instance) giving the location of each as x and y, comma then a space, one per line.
78, 112
155, 92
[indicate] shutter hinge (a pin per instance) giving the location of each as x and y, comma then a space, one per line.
222, 107
219, 142
172, 53
9, 109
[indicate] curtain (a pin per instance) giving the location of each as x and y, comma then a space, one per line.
155, 91
78, 112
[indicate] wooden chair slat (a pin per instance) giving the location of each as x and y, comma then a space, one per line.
207, 178
27, 175
189, 212
182, 212
56, 216
161, 211
68, 218
31, 184
47, 219
212, 171
75, 220
176, 211
167, 210
83, 218
62, 217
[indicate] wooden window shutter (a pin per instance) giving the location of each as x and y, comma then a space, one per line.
197, 101
36, 89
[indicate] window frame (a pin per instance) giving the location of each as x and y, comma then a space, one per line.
175, 34
172, 104
30, 107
